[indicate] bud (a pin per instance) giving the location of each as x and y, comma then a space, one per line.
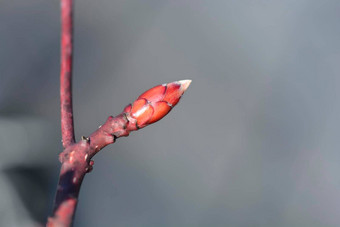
154, 104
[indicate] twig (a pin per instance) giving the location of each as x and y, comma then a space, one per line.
76, 161
151, 106
67, 128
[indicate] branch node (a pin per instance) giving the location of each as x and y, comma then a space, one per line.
84, 138
89, 168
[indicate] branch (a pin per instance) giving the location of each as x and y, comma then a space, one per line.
67, 128
76, 161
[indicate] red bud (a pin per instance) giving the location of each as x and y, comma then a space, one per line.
154, 104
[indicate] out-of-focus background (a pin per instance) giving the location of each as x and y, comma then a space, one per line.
253, 142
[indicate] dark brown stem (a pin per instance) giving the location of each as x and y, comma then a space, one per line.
67, 128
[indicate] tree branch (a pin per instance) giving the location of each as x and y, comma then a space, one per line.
151, 106
75, 160
67, 128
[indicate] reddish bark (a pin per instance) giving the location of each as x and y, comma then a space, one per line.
66, 72
76, 162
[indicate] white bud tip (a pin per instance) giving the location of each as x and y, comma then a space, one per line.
184, 84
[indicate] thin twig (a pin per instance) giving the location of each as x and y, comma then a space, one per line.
149, 107
76, 161
67, 128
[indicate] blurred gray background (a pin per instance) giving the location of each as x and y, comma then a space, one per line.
253, 142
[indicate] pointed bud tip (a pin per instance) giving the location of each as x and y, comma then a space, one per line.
184, 84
